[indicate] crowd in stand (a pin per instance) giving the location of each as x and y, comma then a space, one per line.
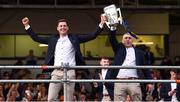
83, 91
22, 91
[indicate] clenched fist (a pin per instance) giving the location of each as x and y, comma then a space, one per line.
25, 21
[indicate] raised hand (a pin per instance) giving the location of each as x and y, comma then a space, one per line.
25, 21
103, 19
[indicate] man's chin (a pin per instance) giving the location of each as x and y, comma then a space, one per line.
63, 33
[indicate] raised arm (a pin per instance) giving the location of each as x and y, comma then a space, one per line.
87, 37
113, 40
34, 36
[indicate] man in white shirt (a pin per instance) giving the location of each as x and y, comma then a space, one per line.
103, 90
63, 47
168, 90
127, 55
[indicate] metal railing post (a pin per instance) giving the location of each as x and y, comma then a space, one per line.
65, 84
65, 81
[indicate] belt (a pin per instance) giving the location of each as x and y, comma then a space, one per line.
105, 94
61, 69
129, 78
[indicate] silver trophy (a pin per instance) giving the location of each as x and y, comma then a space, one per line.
113, 15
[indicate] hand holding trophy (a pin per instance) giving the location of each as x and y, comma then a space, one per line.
113, 15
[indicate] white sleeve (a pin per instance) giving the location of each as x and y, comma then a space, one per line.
27, 27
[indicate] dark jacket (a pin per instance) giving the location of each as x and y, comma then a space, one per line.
109, 86
119, 57
178, 92
165, 88
120, 54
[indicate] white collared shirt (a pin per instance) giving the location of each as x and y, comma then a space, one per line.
174, 98
130, 60
103, 73
64, 52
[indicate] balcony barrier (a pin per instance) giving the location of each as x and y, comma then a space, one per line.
65, 80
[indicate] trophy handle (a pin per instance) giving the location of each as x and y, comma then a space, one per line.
120, 19
108, 24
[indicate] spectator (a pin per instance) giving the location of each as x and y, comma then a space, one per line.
178, 86
6, 75
168, 90
7, 86
156, 86
31, 58
42, 92
82, 97
1, 93
19, 62
88, 54
28, 92
149, 56
104, 91
15, 72
166, 61
177, 61
13, 94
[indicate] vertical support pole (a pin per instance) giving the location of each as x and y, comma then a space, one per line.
65, 82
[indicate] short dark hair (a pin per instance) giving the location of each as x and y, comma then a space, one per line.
173, 70
62, 20
104, 57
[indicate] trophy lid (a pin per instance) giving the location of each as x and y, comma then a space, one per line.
110, 7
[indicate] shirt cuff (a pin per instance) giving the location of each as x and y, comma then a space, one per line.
100, 25
27, 27
113, 28
169, 93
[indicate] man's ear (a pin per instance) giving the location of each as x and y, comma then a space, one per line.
122, 41
57, 28
68, 28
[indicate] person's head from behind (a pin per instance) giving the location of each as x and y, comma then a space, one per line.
31, 52
177, 58
6, 75
178, 74
62, 27
104, 61
128, 39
